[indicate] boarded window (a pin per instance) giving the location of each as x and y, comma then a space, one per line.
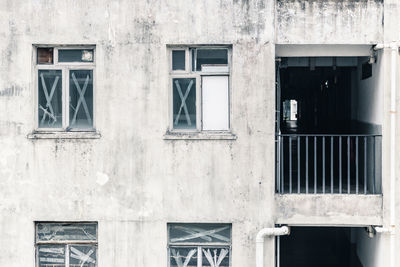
184, 103
50, 98
66, 244
81, 99
199, 245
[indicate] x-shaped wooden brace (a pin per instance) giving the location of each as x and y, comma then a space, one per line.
195, 232
81, 100
183, 103
82, 257
178, 257
48, 97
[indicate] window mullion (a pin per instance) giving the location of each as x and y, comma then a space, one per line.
66, 99
199, 257
66, 255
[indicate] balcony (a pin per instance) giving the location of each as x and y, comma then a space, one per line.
328, 164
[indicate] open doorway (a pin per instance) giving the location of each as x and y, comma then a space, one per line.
322, 247
329, 116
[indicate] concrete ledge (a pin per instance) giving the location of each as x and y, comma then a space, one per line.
64, 135
328, 209
199, 136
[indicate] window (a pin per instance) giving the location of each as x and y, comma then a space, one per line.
199, 245
65, 87
200, 88
66, 244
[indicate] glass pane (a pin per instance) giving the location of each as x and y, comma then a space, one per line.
81, 99
75, 55
184, 103
199, 233
50, 98
82, 256
178, 60
183, 256
66, 231
215, 256
211, 56
45, 55
51, 255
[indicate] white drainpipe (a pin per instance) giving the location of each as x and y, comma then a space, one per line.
284, 230
395, 48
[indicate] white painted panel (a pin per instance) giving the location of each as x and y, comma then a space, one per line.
215, 103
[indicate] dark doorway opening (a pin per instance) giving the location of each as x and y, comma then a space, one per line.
318, 247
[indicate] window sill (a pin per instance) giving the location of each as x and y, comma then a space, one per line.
64, 135
199, 136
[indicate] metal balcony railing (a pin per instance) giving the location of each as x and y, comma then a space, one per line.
328, 164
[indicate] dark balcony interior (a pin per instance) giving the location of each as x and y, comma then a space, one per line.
326, 142
318, 247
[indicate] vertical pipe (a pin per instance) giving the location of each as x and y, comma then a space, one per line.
323, 164
340, 164
298, 164
348, 164
356, 164
365, 165
290, 164
331, 164
315, 164
306, 164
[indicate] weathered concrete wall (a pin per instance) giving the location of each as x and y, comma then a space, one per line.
329, 21
131, 180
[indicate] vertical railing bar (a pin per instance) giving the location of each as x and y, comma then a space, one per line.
315, 164
373, 164
356, 164
340, 164
290, 164
365, 164
331, 164
282, 165
298, 164
348, 164
323, 164
306, 164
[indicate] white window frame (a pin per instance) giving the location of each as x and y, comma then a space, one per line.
198, 245
66, 243
65, 68
189, 73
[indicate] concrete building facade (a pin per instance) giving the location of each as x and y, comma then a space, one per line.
134, 176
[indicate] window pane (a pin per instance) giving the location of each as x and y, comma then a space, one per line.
66, 231
45, 55
178, 60
75, 55
184, 103
81, 99
51, 255
211, 56
50, 98
82, 255
201, 233
215, 101
183, 256
215, 256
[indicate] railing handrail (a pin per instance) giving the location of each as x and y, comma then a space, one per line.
329, 135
